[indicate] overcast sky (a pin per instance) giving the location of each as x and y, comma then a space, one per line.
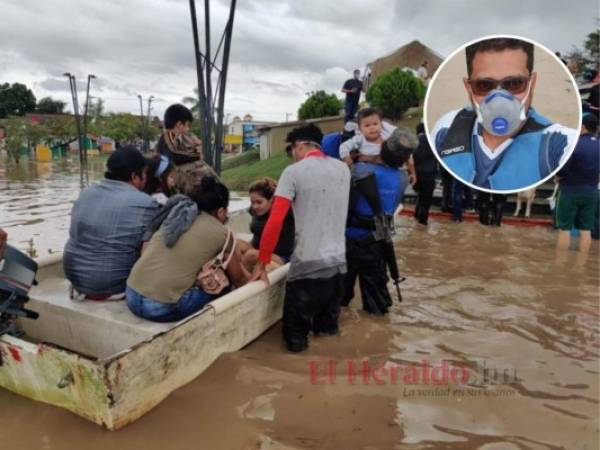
280, 50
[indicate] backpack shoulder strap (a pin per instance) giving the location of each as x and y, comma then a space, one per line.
458, 137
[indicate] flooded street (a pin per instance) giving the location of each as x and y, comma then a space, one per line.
36, 200
495, 347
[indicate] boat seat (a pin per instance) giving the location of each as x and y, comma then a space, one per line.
55, 293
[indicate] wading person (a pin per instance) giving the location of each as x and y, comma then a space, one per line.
426, 169
352, 88
501, 142
317, 187
578, 192
366, 227
107, 225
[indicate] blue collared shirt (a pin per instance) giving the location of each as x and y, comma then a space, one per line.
107, 223
580, 173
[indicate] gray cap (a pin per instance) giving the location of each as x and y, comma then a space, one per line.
402, 137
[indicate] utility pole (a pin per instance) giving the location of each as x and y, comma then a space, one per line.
147, 128
287, 115
73, 85
142, 119
209, 104
85, 122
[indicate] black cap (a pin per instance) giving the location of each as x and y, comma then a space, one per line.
124, 162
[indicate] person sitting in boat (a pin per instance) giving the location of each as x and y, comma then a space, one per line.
107, 224
160, 182
261, 200
163, 284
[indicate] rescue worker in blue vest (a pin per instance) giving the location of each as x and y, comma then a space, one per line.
501, 143
330, 144
366, 229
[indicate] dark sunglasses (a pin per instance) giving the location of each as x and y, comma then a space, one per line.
514, 85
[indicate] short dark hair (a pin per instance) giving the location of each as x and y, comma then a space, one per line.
124, 163
177, 113
366, 112
590, 122
309, 132
497, 45
210, 194
420, 129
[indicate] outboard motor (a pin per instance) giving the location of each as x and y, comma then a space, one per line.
17, 275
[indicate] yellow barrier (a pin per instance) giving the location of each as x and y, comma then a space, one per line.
43, 153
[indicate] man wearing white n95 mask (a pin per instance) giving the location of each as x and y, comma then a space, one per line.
501, 143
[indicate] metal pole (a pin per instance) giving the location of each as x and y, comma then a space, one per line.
201, 92
73, 86
209, 99
147, 127
85, 122
220, 108
79, 129
142, 118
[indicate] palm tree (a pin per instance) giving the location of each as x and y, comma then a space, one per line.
192, 101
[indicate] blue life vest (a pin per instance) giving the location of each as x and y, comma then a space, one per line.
389, 182
525, 162
330, 144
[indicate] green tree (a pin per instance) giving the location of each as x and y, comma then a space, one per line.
394, 92
592, 46
586, 59
48, 105
122, 127
193, 102
35, 133
16, 136
320, 104
61, 128
15, 100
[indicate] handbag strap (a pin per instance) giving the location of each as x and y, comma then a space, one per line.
229, 241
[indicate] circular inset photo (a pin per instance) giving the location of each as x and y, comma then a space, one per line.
503, 114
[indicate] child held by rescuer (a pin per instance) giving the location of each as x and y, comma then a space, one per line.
366, 145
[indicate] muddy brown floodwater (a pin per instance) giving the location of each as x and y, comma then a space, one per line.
495, 347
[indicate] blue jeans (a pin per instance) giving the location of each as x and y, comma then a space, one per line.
350, 108
191, 301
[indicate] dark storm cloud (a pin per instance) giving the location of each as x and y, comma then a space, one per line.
280, 48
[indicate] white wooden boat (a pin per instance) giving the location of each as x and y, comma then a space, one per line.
101, 362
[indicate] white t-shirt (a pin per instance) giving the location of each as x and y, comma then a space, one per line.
319, 189
364, 147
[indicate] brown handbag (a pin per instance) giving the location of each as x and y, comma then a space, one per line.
212, 279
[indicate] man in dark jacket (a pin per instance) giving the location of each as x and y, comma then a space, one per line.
426, 169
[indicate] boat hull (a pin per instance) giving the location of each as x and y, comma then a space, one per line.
102, 363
